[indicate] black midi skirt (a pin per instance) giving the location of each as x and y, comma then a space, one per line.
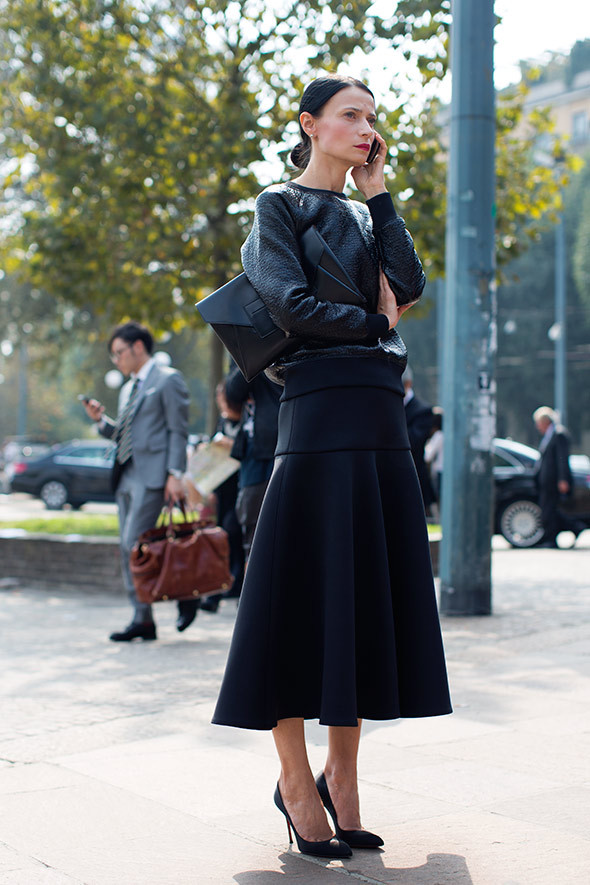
337, 619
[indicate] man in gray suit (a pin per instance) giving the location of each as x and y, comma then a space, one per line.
151, 436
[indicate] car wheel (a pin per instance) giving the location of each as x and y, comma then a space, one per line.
54, 494
520, 523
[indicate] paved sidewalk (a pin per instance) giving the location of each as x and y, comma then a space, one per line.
111, 773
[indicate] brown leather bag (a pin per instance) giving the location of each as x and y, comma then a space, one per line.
182, 560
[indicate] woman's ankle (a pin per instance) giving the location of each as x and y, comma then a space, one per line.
297, 787
339, 776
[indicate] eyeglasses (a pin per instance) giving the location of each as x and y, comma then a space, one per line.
116, 354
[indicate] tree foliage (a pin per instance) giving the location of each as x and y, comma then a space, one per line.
528, 186
526, 312
133, 134
559, 65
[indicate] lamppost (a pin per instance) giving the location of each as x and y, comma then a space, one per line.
470, 318
558, 331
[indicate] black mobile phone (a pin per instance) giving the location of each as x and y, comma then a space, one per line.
83, 398
374, 150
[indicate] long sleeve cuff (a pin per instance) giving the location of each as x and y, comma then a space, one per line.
377, 325
382, 209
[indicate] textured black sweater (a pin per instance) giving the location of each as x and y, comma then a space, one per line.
363, 237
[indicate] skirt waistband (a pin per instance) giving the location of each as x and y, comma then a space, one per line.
319, 374
342, 404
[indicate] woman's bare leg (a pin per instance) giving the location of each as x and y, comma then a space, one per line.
341, 774
297, 784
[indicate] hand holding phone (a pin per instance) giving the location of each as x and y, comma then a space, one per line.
369, 177
374, 150
94, 409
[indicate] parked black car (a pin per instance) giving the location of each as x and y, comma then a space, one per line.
17, 450
517, 511
71, 473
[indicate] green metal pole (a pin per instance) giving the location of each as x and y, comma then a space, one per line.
560, 321
470, 317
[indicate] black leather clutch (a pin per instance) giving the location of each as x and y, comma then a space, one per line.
239, 316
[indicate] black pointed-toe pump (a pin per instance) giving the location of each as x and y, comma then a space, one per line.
354, 838
327, 848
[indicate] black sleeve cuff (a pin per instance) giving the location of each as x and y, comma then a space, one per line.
377, 325
382, 209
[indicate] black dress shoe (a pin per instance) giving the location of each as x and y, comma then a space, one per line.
354, 838
211, 603
327, 848
187, 612
135, 631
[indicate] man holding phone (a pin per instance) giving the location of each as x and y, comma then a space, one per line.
150, 432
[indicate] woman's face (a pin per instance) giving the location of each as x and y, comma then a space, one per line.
344, 130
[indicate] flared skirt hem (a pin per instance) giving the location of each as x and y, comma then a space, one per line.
341, 723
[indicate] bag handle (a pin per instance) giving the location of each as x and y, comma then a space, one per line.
191, 517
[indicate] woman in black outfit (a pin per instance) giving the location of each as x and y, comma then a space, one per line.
338, 618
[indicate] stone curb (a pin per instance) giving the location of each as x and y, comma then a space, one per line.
83, 562
63, 562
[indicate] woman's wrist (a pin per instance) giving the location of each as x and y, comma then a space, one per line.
371, 192
382, 210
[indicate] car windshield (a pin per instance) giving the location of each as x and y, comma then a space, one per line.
83, 450
580, 463
527, 456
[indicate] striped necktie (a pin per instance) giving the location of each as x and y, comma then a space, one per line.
124, 426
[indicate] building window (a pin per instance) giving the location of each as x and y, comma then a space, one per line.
580, 128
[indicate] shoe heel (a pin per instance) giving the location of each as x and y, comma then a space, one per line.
289, 831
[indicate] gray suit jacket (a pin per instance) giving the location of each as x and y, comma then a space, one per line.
159, 428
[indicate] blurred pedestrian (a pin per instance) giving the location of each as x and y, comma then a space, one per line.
419, 421
554, 476
150, 433
254, 445
337, 620
433, 455
226, 495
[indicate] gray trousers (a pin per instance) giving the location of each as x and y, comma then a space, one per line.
139, 509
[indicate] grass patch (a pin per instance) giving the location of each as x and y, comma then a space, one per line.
105, 524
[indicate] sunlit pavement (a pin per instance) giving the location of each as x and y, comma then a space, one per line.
20, 506
111, 773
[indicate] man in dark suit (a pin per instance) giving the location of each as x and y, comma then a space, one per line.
420, 421
151, 433
554, 476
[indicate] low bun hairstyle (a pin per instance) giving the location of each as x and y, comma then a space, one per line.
315, 96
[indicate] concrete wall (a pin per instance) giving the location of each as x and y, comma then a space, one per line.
74, 563
57, 562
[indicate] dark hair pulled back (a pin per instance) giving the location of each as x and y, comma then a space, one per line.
315, 95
